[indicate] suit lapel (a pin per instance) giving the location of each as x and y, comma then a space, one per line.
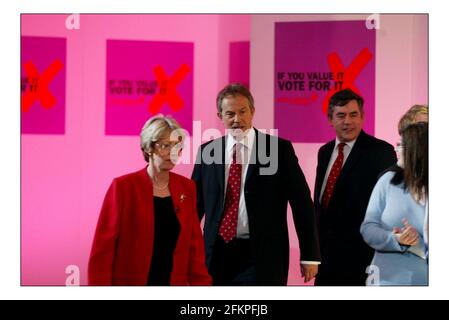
178, 195
356, 152
253, 160
219, 168
147, 190
323, 164
146, 209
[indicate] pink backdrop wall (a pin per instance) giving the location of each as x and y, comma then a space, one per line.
65, 177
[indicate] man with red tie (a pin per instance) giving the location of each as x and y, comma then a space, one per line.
245, 181
347, 171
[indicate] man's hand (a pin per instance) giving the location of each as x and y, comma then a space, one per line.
308, 271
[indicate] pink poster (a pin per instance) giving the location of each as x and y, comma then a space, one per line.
42, 85
313, 60
145, 78
239, 57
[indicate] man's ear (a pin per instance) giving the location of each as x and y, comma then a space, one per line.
219, 115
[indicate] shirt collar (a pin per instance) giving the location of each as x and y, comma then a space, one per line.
350, 144
247, 141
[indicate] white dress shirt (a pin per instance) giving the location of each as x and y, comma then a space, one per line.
245, 146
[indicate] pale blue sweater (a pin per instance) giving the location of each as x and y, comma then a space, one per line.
394, 264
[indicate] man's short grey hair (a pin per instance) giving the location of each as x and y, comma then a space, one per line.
155, 128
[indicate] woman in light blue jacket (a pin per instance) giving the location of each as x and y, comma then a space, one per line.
394, 219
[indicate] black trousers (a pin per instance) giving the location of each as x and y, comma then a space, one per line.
341, 274
232, 263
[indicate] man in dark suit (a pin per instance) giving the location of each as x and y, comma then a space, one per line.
347, 171
245, 180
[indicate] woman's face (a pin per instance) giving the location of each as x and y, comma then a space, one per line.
400, 153
166, 153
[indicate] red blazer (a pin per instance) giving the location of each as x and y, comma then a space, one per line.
123, 244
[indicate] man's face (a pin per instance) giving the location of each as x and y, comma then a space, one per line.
236, 113
347, 121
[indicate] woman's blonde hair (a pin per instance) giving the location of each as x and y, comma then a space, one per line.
157, 127
410, 116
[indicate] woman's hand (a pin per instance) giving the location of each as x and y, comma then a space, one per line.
407, 236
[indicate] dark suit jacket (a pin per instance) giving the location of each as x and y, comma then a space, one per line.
123, 244
345, 254
266, 199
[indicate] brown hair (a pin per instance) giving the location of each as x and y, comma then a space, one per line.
234, 89
415, 142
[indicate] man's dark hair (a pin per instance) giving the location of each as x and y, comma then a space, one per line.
341, 98
234, 89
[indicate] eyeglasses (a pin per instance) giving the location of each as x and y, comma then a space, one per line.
167, 147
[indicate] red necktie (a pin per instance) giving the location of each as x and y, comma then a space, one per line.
333, 176
228, 228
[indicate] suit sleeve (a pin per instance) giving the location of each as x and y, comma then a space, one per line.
317, 186
387, 158
198, 274
197, 178
302, 206
103, 248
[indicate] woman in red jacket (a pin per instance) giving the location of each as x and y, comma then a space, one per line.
148, 232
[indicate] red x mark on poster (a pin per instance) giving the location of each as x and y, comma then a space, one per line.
39, 90
349, 74
167, 89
